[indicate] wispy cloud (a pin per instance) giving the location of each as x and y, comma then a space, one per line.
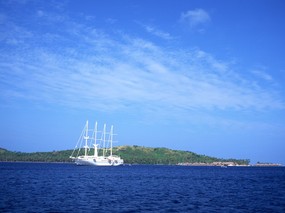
195, 18
84, 67
157, 32
261, 73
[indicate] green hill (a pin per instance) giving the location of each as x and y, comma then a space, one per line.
130, 154
55, 156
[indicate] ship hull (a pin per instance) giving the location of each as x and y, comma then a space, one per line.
98, 161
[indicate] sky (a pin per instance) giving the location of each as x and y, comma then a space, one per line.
202, 76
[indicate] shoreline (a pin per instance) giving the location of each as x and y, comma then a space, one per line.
179, 164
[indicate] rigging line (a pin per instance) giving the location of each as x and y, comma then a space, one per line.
81, 140
78, 142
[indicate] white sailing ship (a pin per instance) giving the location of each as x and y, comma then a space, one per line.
102, 143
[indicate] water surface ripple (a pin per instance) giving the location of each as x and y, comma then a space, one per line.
40, 187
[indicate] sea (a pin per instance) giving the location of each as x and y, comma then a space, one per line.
64, 187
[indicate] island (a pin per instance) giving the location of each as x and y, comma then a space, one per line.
131, 154
135, 155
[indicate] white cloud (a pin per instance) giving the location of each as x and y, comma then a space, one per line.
111, 20
158, 33
94, 71
40, 13
135, 75
262, 74
195, 17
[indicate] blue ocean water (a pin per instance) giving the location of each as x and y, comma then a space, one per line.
41, 187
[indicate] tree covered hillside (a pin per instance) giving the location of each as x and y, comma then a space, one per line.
130, 154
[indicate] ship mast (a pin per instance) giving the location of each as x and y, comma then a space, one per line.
86, 137
104, 140
111, 141
95, 141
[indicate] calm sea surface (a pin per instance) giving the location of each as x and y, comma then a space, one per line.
40, 187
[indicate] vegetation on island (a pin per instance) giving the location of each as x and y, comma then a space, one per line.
130, 154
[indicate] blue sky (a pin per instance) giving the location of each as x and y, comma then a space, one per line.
202, 76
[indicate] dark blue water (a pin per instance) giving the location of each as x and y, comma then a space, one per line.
39, 187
